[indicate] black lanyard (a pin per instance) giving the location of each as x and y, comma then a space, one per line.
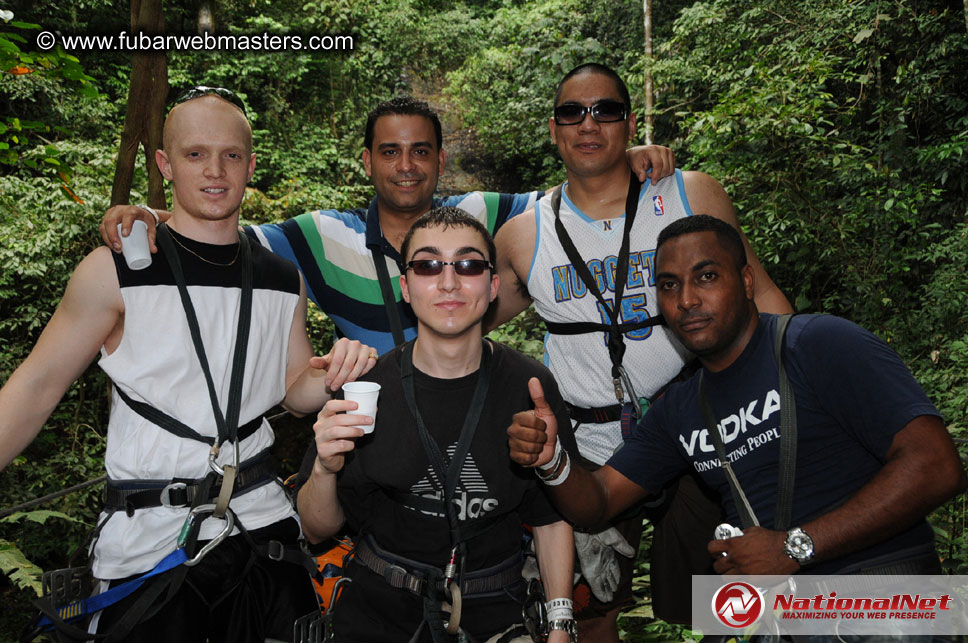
448, 474
788, 443
389, 298
228, 425
615, 331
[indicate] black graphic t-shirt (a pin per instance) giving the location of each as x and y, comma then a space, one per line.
392, 461
853, 394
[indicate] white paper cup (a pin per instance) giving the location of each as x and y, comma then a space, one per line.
134, 247
365, 394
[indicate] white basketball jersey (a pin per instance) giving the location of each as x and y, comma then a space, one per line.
580, 363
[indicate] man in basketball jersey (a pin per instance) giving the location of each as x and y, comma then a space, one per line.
592, 125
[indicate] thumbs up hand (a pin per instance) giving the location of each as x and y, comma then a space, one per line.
533, 434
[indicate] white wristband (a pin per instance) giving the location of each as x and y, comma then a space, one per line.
561, 614
560, 609
565, 470
150, 210
555, 459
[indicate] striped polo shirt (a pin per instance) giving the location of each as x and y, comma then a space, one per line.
335, 252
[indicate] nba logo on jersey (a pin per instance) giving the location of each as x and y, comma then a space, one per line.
657, 205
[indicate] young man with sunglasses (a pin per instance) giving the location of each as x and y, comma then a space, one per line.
429, 490
349, 258
612, 362
198, 345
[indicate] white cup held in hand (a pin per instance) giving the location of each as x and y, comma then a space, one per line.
365, 395
134, 247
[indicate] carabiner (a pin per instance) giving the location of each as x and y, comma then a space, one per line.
450, 571
212, 456
192, 524
335, 593
633, 398
453, 623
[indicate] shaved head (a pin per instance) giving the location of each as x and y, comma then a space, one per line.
224, 108
208, 159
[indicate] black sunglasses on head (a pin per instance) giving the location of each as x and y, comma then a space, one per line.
463, 267
202, 90
604, 111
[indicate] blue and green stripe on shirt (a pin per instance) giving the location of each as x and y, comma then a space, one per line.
334, 252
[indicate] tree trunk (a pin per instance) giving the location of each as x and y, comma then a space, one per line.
144, 117
649, 98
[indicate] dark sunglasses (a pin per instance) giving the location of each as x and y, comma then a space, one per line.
463, 267
604, 111
202, 90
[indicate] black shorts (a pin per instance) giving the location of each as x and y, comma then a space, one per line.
232, 595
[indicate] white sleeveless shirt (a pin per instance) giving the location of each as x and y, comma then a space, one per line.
580, 363
156, 363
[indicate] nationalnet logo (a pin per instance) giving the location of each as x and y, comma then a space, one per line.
824, 605
830, 606
738, 604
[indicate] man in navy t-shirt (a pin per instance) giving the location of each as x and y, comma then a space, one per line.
873, 456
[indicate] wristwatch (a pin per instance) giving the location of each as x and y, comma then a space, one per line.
799, 546
566, 624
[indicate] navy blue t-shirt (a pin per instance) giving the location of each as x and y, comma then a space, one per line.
853, 394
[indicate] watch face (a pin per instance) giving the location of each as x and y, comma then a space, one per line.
799, 545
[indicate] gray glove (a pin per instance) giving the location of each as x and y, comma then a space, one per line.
599, 565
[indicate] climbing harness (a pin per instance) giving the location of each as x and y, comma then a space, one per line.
614, 330
61, 606
447, 477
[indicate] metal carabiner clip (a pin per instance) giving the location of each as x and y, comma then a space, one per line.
633, 398
212, 457
192, 524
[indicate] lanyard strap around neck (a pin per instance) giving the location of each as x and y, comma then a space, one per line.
788, 443
747, 517
227, 424
389, 297
448, 474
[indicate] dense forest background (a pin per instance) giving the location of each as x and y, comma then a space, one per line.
838, 127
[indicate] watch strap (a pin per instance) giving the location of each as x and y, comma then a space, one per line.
565, 624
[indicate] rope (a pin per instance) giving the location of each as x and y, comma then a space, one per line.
78, 487
52, 496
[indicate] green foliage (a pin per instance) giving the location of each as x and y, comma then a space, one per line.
840, 130
18, 569
831, 147
524, 333
937, 334
13, 563
25, 76
505, 91
42, 236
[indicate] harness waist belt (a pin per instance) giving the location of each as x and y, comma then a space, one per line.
598, 415
412, 576
130, 495
613, 412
